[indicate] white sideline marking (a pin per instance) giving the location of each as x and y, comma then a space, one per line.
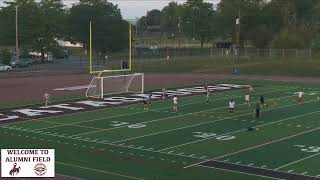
237, 172
299, 160
254, 147
72, 88
134, 148
152, 151
101, 171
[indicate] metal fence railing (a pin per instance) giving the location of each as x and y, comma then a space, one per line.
81, 62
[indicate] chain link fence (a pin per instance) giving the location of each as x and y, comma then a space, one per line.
143, 55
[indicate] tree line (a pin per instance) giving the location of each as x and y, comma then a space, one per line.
263, 23
42, 23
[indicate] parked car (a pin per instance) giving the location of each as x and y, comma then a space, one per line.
5, 68
23, 62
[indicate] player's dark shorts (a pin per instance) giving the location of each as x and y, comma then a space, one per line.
231, 109
262, 101
145, 102
257, 113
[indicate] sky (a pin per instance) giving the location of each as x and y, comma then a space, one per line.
131, 9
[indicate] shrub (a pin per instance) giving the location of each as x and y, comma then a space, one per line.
5, 56
286, 40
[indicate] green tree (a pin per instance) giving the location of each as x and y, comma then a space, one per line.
51, 26
5, 56
39, 24
110, 31
171, 17
197, 20
286, 40
28, 18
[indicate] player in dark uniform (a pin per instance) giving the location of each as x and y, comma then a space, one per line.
145, 103
258, 110
262, 101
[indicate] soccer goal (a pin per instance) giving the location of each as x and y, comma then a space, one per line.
106, 85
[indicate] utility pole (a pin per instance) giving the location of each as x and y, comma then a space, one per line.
17, 32
238, 29
179, 24
137, 21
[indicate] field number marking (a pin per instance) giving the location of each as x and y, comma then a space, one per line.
309, 149
213, 135
133, 126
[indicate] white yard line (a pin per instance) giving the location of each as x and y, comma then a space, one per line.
254, 147
148, 150
97, 170
192, 142
299, 160
162, 119
184, 127
72, 88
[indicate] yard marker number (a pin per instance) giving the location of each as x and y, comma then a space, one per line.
309, 149
133, 126
213, 135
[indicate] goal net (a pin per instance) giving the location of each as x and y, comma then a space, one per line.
106, 85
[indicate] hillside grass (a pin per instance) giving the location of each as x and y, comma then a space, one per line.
253, 66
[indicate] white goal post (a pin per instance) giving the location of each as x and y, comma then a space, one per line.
106, 85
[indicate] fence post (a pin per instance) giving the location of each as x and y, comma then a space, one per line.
283, 53
222, 52
211, 51
270, 52
310, 53
245, 52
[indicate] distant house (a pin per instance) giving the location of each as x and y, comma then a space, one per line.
68, 44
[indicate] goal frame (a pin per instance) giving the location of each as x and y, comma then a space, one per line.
101, 81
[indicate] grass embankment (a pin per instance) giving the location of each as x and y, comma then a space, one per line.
254, 66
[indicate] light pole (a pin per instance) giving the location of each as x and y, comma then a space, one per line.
137, 21
17, 38
194, 30
238, 30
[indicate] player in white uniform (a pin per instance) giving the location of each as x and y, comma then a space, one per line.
231, 105
247, 99
207, 95
251, 91
300, 97
164, 94
46, 97
175, 104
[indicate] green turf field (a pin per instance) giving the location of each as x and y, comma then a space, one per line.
128, 142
